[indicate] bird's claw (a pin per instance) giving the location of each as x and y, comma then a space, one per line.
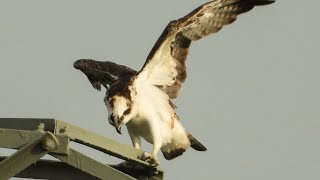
149, 158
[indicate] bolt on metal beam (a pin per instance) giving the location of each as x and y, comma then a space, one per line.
24, 157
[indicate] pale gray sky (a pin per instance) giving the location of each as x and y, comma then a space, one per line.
252, 95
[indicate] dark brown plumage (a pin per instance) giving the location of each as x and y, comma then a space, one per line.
102, 73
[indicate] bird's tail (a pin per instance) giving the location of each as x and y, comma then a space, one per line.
174, 152
195, 144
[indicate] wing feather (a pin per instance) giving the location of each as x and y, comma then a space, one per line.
165, 65
102, 73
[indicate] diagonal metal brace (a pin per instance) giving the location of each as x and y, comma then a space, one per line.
27, 155
91, 166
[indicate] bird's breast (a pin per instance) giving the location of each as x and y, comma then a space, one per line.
141, 127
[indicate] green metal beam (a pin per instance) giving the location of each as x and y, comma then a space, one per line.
82, 136
139, 172
29, 124
37, 137
15, 139
91, 166
101, 143
52, 169
24, 157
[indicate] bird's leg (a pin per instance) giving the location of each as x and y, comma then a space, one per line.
151, 158
157, 143
136, 141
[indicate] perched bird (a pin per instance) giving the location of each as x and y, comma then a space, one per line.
141, 100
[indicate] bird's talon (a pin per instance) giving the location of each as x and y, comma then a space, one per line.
149, 158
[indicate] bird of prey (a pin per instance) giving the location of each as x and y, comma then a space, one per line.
141, 100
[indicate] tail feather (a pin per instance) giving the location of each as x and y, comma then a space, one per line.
173, 154
174, 151
195, 144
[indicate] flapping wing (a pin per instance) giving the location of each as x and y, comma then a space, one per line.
165, 65
102, 73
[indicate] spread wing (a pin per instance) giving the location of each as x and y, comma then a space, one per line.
165, 65
102, 73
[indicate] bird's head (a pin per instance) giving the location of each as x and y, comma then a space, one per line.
118, 111
116, 122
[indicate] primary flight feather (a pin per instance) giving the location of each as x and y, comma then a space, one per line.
141, 100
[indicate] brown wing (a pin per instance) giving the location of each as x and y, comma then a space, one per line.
165, 65
102, 73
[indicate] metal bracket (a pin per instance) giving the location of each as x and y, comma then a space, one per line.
34, 138
27, 155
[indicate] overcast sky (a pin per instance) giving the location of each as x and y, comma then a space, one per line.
251, 97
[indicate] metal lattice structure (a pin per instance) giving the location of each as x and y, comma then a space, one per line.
34, 138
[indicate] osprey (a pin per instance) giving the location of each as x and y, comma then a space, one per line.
141, 100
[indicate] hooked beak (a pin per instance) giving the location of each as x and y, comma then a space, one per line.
118, 127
